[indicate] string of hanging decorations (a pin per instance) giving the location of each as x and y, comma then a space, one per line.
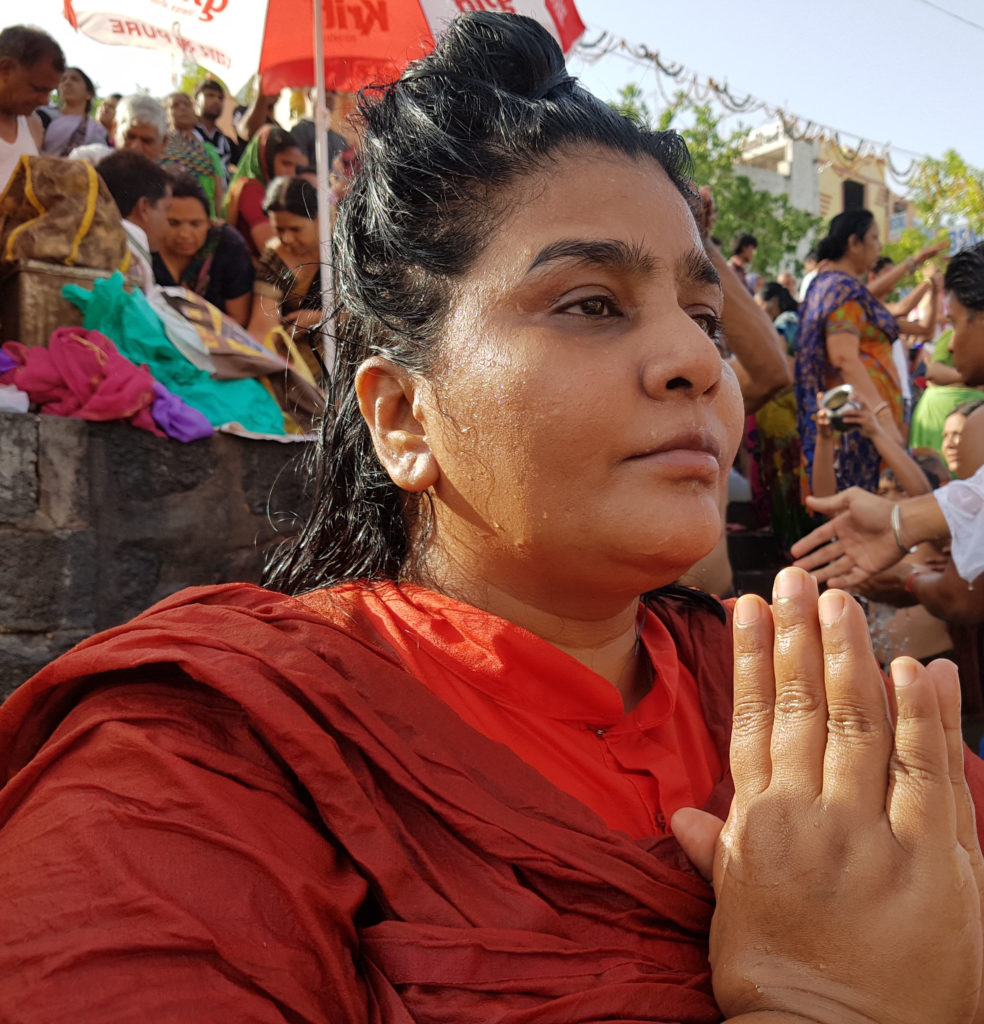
673, 79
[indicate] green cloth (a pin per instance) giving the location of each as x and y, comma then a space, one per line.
129, 321
251, 167
938, 401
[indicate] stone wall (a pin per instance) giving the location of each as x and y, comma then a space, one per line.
100, 520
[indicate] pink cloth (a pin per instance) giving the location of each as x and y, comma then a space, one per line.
81, 374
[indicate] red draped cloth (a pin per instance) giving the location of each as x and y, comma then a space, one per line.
242, 806
82, 374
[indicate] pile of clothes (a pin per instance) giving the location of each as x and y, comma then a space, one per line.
173, 365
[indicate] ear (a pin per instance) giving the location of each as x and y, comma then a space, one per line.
139, 212
390, 402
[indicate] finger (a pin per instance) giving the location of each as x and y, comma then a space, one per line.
755, 692
859, 740
821, 535
697, 832
944, 675
920, 798
820, 559
799, 730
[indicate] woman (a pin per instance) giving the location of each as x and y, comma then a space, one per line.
772, 435
287, 292
945, 390
846, 337
185, 151
952, 429
271, 153
73, 127
777, 301
434, 785
209, 259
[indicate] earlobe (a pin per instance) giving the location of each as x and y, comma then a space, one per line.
390, 404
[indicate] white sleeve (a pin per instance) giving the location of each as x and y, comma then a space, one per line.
962, 505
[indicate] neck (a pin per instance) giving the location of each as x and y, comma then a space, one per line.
175, 264
208, 122
845, 266
606, 640
73, 108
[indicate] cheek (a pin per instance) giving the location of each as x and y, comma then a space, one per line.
731, 409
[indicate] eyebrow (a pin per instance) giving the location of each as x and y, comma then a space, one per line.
695, 265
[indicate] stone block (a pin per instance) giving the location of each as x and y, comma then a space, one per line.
139, 465
63, 472
18, 467
47, 581
23, 654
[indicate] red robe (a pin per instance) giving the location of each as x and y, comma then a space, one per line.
234, 809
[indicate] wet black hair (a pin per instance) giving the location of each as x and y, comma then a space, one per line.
845, 226
291, 195
491, 105
28, 45
774, 290
964, 278
187, 186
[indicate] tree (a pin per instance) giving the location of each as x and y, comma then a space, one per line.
948, 190
775, 222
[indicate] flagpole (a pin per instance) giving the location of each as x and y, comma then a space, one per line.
324, 209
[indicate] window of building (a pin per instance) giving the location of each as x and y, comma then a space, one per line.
853, 195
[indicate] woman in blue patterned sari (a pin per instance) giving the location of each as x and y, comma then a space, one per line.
845, 337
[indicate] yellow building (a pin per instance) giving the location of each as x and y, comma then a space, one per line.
849, 182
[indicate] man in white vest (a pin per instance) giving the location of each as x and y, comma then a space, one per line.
31, 65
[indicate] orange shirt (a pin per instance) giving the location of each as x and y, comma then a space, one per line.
633, 769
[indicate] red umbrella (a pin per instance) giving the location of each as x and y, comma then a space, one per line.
361, 40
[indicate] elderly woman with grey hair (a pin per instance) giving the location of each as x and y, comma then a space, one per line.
141, 125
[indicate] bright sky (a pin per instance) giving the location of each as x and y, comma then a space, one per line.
907, 72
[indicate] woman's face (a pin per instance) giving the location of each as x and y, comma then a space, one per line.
952, 429
867, 249
286, 162
187, 226
581, 416
72, 88
181, 112
298, 235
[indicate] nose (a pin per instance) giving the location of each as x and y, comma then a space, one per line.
686, 362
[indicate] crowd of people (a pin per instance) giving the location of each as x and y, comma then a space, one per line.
490, 745
213, 230
876, 403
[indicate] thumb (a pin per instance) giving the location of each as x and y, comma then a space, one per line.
826, 506
697, 832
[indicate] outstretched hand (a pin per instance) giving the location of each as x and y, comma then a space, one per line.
848, 875
855, 543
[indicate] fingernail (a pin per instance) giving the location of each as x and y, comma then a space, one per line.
903, 671
747, 610
831, 606
789, 583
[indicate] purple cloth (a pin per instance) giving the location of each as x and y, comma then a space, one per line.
177, 418
6, 362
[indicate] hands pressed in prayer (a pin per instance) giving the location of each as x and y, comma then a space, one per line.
848, 875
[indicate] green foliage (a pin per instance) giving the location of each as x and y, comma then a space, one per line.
775, 222
948, 189
192, 74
